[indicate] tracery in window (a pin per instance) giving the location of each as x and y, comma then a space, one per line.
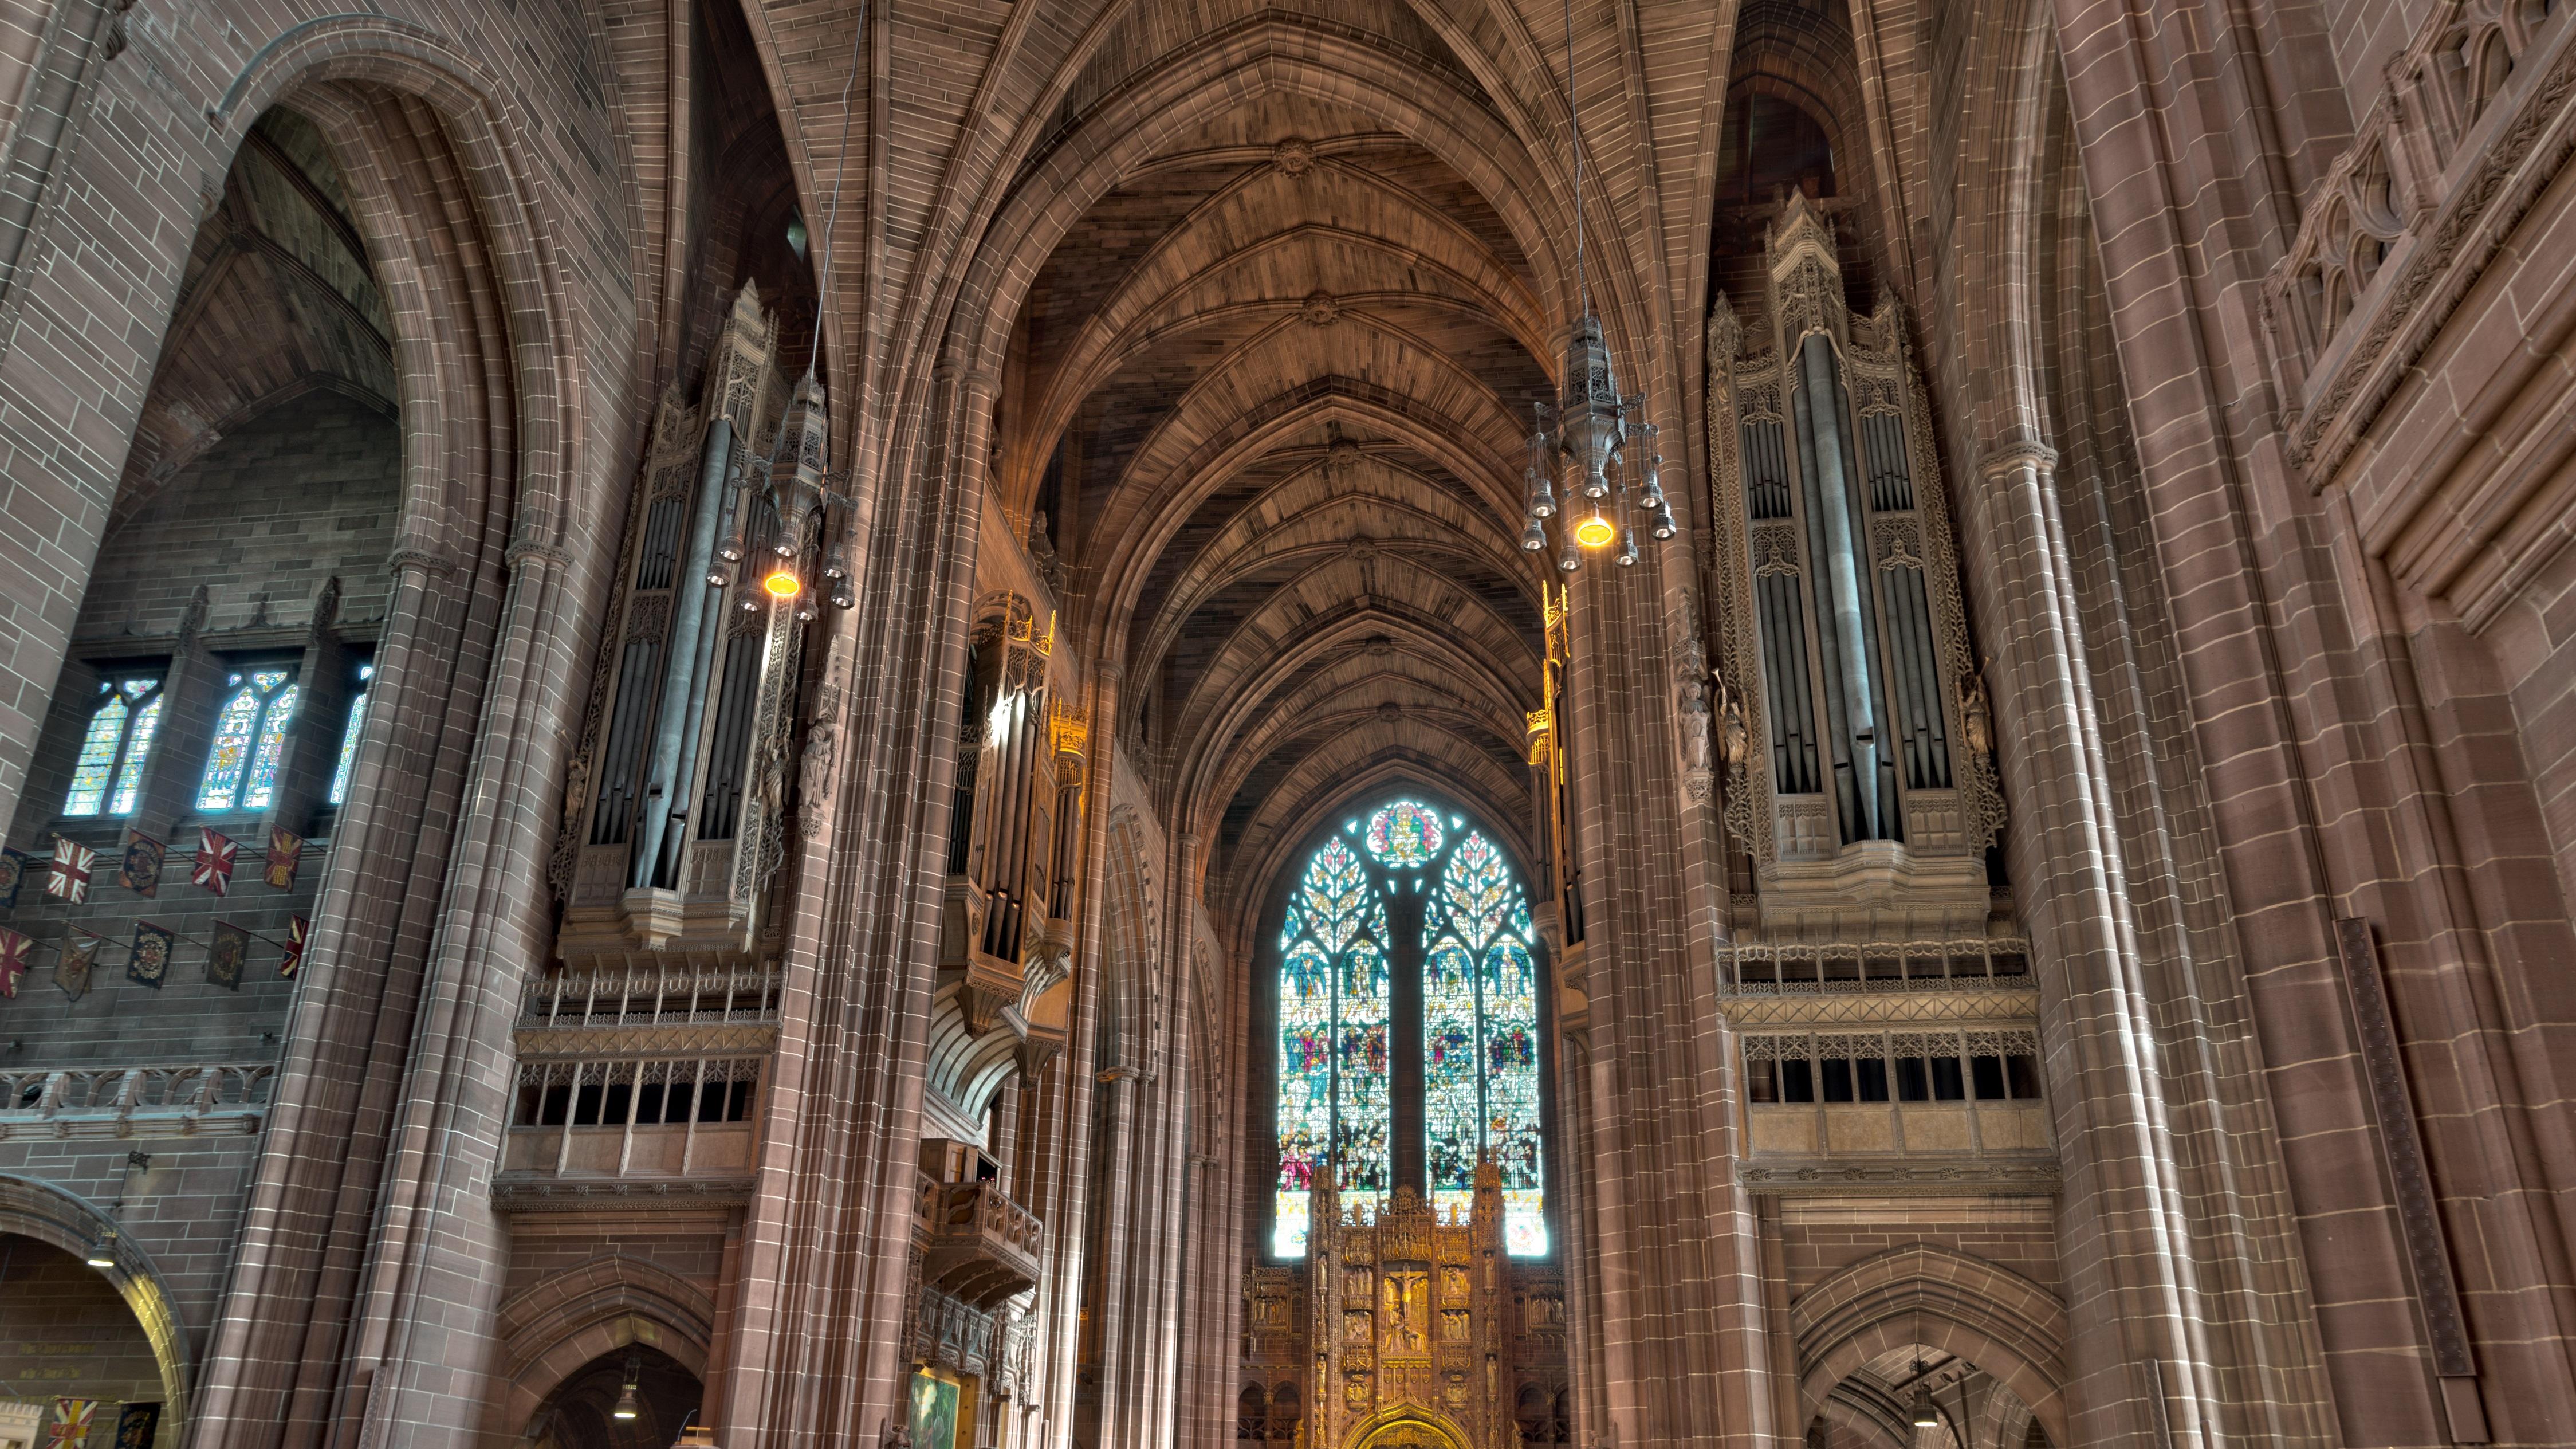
115, 748
250, 741
1334, 1001
1478, 975
1480, 1092
349, 735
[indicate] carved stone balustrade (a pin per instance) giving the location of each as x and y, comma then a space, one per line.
189, 1100
978, 1246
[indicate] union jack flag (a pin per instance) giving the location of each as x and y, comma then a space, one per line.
215, 852
70, 881
71, 1422
297, 928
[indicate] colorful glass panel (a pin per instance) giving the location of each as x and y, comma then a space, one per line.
114, 748
1334, 1001
1478, 973
1404, 834
1451, 1103
349, 738
250, 741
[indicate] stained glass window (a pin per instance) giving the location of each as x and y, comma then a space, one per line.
349, 736
1480, 1042
1334, 1002
121, 727
250, 741
1404, 833
1480, 1080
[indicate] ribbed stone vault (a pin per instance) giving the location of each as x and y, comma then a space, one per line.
1271, 397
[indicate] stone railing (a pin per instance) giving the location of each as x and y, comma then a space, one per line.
977, 1244
645, 996
220, 1098
1983, 963
2472, 123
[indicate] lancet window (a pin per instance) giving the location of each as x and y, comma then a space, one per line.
250, 740
1341, 961
108, 777
349, 731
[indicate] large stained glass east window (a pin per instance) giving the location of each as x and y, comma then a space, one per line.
1480, 1095
250, 741
1334, 1002
108, 777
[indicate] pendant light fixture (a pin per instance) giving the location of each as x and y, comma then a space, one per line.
1925, 1415
627, 1408
1584, 437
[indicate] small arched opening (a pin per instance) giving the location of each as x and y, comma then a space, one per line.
636, 1397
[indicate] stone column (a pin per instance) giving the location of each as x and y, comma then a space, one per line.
2138, 1371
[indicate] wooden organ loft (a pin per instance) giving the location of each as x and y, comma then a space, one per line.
1878, 981
1402, 1331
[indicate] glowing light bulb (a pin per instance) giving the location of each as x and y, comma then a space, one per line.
1595, 532
782, 584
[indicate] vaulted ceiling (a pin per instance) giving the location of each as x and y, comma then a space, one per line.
1271, 391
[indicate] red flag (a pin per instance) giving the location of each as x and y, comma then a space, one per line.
296, 929
285, 852
70, 878
215, 852
14, 950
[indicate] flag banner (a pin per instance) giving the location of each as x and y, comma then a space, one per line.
285, 852
215, 854
150, 963
142, 870
14, 951
13, 874
71, 973
135, 1425
297, 928
70, 878
227, 955
71, 1422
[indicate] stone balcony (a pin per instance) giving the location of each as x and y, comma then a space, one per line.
978, 1246
222, 1099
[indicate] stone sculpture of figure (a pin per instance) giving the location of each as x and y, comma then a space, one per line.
1694, 704
896, 1436
1732, 735
1976, 723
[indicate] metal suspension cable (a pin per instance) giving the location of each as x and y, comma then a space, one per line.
1574, 115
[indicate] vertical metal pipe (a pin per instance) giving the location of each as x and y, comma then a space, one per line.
683, 688
1842, 574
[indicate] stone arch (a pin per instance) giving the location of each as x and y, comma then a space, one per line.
1406, 1427
2004, 1323
57, 1218
551, 1329
510, 387
1127, 1025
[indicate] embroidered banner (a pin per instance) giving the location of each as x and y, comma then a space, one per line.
285, 852
150, 963
135, 1424
215, 854
71, 973
141, 873
13, 874
228, 954
70, 878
